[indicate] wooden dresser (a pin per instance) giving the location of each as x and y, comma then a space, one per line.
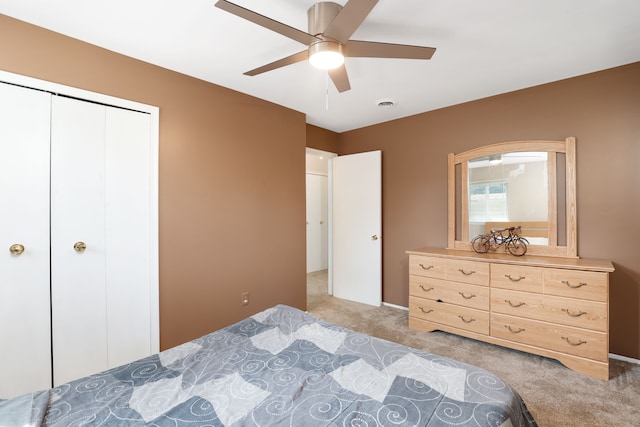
550, 306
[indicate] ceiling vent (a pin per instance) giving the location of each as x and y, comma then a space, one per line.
386, 103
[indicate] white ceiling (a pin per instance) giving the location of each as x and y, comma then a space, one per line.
484, 48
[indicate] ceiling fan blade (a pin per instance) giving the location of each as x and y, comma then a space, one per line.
263, 21
349, 19
296, 57
363, 49
340, 79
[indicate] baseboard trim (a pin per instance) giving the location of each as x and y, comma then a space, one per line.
624, 358
399, 307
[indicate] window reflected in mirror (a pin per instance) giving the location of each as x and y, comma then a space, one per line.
510, 189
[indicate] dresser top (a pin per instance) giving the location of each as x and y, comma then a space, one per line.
584, 264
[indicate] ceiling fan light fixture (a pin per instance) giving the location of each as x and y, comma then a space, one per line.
326, 55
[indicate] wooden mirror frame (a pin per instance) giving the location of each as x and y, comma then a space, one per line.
567, 147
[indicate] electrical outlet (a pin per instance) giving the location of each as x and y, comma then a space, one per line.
244, 298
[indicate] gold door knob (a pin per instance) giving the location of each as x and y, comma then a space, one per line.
16, 249
374, 237
80, 246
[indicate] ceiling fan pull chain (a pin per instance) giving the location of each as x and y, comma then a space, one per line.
326, 85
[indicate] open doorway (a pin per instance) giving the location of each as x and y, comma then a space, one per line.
318, 179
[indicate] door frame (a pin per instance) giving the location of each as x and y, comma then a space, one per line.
328, 155
154, 113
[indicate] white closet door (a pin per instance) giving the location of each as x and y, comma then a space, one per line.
25, 342
128, 235
78, 278
101, 184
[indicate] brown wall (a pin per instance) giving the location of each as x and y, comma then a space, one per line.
322, 139
602, 110
232, 196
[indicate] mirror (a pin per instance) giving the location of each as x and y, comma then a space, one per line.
530, 184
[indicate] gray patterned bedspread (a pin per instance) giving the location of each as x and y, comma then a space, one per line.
280, 367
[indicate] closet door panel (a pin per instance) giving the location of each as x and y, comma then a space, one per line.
127, 208
78, 279
25, 342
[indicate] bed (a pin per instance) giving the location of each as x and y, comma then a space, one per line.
279, 367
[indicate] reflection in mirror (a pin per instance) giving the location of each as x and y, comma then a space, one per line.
510, 189
518, 183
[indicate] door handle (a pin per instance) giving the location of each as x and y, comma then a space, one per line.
374, 237
16, 249
79, 246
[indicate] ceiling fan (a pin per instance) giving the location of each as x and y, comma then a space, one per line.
330, 26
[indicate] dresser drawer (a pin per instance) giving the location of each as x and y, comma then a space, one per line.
450, 292
565, 339
427, 266
476, 273
589, 285
516, 277
565, 311
449, 314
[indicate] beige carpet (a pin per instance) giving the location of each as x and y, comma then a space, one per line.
555, 395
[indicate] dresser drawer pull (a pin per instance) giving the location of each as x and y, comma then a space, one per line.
579, 285
514, 305
514, 331
580, 342
425, 311
508, 276
573, 313
466, 297
428, 267
465, 273
425, 289
465, 320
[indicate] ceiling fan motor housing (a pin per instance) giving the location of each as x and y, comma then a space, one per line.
320, 16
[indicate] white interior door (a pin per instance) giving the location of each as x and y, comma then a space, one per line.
25, 342
316, 222
324, 222
357, 225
